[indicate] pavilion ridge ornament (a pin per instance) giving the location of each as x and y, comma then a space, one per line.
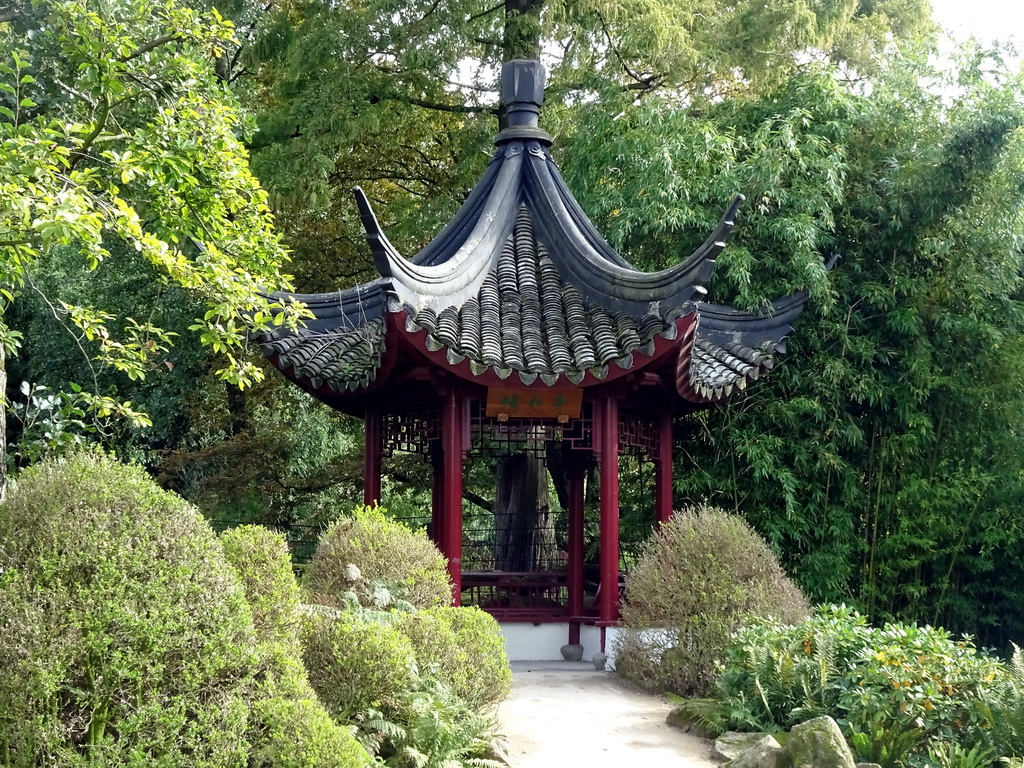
518, 330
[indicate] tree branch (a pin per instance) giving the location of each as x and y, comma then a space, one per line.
642, 83
78, 94
77, 339
487, 12
142, 50
462, 109
429, 12
101, 121
472, 498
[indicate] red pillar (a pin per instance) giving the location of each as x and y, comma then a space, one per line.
437, 495
663, 467
609, 603
372, 449
451, 528
574, 480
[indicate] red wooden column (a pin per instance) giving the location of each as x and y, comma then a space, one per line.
372, 449
609, 603
663, 468
452, 443
574, 480
437, 495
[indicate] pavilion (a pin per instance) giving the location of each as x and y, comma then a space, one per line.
519, 330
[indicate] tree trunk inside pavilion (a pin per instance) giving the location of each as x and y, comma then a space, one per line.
524, 523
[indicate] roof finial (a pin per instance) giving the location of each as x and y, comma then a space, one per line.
522, 93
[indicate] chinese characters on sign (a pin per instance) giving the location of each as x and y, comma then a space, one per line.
561, 404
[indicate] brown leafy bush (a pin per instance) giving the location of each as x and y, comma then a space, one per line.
696, 580
368, 550
464, 649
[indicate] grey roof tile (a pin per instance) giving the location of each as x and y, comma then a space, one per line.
334, 358
524, 318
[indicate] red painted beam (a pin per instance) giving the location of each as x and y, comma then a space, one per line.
437, 498
574, 479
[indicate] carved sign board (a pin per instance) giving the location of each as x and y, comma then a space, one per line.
561, 404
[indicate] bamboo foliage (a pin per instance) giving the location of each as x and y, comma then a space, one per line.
881, 459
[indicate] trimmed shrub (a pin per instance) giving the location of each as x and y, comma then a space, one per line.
292, 729
464, 649
367, 551
300, 734
354, 665
126, 637
695, 581
261, 558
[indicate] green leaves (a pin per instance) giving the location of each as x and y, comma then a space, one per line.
658, 177
116, 129
895, 690
882, 455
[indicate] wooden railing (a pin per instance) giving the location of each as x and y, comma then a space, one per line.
536, 597
518, 596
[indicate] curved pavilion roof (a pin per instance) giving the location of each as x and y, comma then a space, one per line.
520, 290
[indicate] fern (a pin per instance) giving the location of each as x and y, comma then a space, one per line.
709, 714
374, 729
952, 755
1008, 712
430, 727
886, 743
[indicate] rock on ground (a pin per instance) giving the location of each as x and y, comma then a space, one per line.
766, 752
732, 744
819, 743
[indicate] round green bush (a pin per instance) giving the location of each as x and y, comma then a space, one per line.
694, 583
300, 734
126, 637
463, 648
292, 728
369, 550
290, 725
261, 558
354, 664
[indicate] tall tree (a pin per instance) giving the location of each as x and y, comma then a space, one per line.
403, 103
404, 99
883, 458
116, 132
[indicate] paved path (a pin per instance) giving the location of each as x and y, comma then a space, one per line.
564, 713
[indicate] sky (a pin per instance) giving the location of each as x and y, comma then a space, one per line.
985, 19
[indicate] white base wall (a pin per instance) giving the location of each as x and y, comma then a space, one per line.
543, 642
